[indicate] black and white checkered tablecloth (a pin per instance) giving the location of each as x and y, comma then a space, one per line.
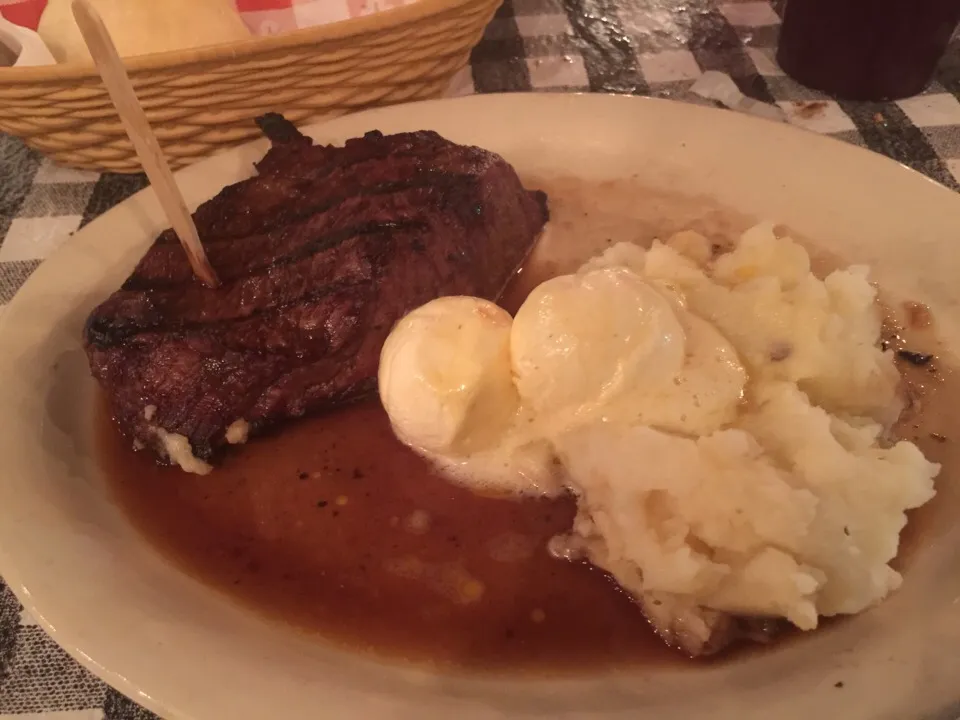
644, 47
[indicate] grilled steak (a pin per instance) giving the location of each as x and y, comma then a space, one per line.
319, 255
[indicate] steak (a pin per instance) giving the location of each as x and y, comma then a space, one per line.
318, 254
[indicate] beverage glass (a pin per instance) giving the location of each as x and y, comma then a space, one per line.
865, 49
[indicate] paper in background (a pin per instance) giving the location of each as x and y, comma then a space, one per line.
269, 17
262, 17
25, 13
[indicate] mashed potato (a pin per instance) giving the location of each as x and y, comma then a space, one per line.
752, 521
785, 323
720, 419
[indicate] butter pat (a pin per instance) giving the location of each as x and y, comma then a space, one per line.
581, 340
445, 377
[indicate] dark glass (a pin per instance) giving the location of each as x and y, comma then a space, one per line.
866, 49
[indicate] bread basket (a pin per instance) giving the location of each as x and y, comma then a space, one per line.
202, 100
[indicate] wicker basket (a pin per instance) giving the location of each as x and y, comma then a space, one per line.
202, 100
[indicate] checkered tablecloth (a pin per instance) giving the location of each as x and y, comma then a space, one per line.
645, 47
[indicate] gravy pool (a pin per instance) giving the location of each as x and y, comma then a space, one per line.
334, 526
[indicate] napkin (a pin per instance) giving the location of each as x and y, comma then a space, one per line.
269, 17
262, 17
25, 13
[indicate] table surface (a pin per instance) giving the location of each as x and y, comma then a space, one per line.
643, 47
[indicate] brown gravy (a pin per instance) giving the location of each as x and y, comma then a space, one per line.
335, 527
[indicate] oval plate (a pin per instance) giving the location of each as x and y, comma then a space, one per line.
185, 651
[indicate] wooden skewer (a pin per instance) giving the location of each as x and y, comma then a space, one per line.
114, 76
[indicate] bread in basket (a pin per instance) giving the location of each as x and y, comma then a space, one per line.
201, 100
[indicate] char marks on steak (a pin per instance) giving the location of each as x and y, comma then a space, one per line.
319, 255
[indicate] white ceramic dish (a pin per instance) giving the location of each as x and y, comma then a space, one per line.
186, 652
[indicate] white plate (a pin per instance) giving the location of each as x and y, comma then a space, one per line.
182, 650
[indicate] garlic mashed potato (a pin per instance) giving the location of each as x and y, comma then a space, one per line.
720, 419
